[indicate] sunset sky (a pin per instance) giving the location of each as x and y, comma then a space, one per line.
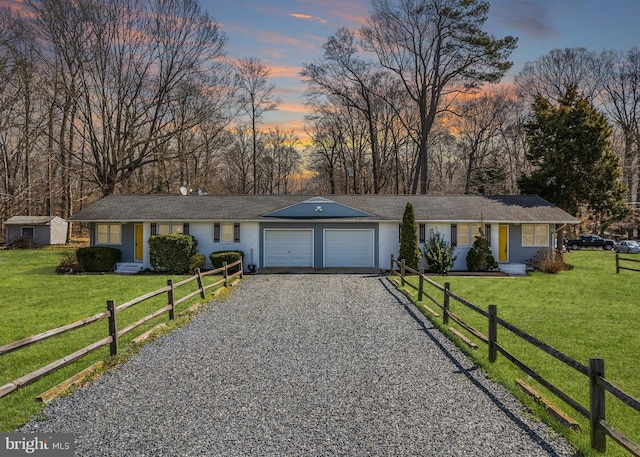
284, 34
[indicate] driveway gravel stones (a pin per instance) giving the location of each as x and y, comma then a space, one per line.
292, 365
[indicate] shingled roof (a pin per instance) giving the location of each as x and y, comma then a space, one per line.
442, 208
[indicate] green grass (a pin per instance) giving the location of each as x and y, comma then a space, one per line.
586, 312
33, 299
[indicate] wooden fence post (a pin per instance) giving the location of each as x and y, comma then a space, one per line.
170, 300
241, 267
420, 284
391, 264
225, 273
617, 263
200, 284
402, 271
597, 405
493, 333
113, 327
445, 305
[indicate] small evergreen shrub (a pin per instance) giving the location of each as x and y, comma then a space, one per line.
409, 248
480, 257
23, 242
439, 254
198, 262
219, 257
549, 260
98, 259
172, 254
69, 264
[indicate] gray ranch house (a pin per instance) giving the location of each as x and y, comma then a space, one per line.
324, 231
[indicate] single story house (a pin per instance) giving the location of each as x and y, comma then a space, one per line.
43, 230
323, 231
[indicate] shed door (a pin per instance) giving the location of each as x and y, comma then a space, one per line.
288, 248
348, 248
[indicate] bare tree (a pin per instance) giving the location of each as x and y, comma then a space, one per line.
132, 60
256, 98
618, 75
551, 75
435, 47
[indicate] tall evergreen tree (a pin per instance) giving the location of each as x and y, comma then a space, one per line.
409, 250
570, 146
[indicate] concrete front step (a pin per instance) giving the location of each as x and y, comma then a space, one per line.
128, 268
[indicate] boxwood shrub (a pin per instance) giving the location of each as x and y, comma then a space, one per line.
172, 253
198, 261
218, 257
98, 259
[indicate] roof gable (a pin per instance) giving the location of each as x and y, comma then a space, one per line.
317, 208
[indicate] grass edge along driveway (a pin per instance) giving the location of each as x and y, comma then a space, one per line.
35, 299
587, 311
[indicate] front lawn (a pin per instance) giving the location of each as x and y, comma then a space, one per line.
35, 299
586, 312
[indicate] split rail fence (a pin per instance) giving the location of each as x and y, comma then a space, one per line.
111, 315
598, 385
625, 259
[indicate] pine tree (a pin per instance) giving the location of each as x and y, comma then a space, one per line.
409, 250
570, 146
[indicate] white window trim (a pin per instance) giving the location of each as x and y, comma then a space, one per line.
473, 230
535, 243
172, 228
109, 242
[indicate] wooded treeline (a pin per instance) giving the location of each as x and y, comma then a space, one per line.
138, 96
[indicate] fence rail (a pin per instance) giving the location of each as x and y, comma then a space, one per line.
111, 315
625, 259
598, 385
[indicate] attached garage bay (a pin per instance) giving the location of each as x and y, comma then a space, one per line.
319, 246
348, 248
288, 248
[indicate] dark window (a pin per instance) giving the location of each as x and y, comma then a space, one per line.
154, 229
185, 228
487, 233
216, 233
236, 233
422, 233
454, 234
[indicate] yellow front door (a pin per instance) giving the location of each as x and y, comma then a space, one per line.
139, 242
503, 243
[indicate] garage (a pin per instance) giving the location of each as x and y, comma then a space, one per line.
349, 248
288, 247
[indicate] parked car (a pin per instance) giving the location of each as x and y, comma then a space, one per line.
627, 246
590, 241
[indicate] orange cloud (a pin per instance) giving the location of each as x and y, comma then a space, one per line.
308, 17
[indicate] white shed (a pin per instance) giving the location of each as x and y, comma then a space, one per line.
43, 230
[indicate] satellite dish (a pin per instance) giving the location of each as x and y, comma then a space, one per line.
183, 190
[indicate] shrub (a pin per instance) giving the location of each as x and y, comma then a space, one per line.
69, 264
23, 242
549, 260
218, 257
172, 253
439, 253
409, 249
198, 262
98, 259
480, 257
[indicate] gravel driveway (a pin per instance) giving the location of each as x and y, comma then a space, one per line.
295, 365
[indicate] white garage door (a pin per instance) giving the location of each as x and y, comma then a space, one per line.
348, 248
288, 248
